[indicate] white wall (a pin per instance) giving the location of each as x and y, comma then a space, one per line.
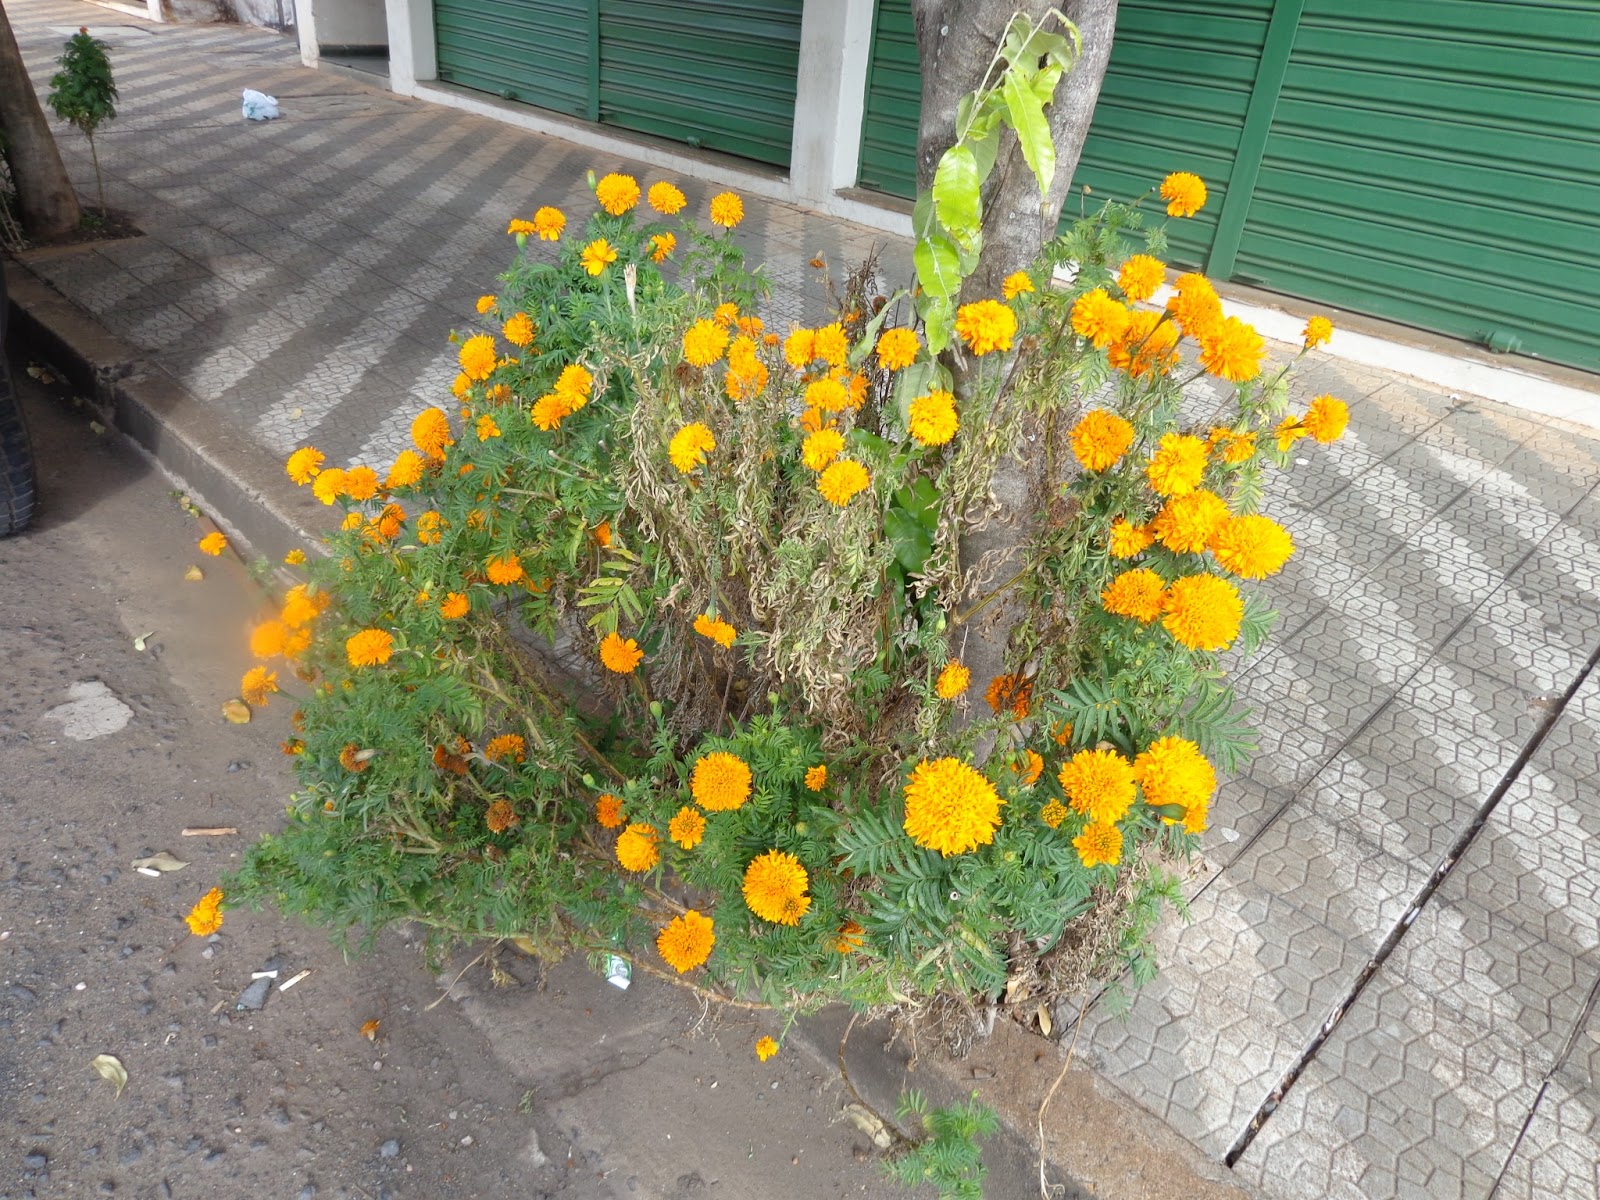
350, 23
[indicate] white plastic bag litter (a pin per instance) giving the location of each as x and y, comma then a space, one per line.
258, 106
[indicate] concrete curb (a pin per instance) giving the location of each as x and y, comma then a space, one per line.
222, 470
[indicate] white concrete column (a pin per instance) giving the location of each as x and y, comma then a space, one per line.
413, 49
835, 47
305, 30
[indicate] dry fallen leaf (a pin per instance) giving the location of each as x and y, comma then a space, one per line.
870, 1124
236, 711
161, 862
369, 1030
110, 1068
143, 640
1045, 1024
194, 574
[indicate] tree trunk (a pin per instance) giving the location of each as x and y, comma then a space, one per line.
956, 41
48, 203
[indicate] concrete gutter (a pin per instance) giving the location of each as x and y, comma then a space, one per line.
223, 471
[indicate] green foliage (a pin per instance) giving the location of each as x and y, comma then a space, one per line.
84, 94
948, 1157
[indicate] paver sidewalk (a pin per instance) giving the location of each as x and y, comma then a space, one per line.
298, 280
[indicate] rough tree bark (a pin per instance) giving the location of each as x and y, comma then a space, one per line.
956, 40
48, 203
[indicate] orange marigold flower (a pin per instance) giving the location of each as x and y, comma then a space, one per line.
519, 330
485, 304
576, 382
1289, 431
478, 357
1063, 734
1099, 845
986, 326
687, 827
258, 683
266, 640
369, 648
715, 628
1139, 593
1194, 306
1029, 767
205, 918
620, 655
1100, 318
361, 483
687, 940
720, 782
213, 544
304, 464
1177, 466
1234, 446
521, 228
1203, 612
827, 395
1186, 523
486, 428
1053, 813
666, 199
550, 409
329, 485
1128, 540
597, 256
932, 418
766, 1047
898, 348
1252, 546
428, 526
725, 314
602, 535
727, 210
704, 342
431, 432
638, 847
1326, 419
775, 888
1318, 332
661, 246
689, 447
454, 606
1232, 350
617, 193
953, 680
548, 223
500, 816
407, 470
821, 448
1014, 692
1140, 276
950, 807
353, 759
1173, 773
1016, 284
507, 745
832, 345
1098, 784
817, 777
842, 480
1100, 440
503, 569
1184, 193
849, 938
1148, 344
447, 761
800, 348
608, 811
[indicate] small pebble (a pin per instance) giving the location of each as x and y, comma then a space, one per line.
467, 1141
309, 1192
390, 1149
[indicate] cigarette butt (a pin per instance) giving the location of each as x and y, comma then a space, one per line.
263, 974
289, 983
150, 871
210, 831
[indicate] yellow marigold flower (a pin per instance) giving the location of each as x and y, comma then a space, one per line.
720, 782
1252, 547
661, 246
1172, 771
459, 387
1098, 784
1186, 523
617, 193
766, 1048
745, 383
266, 639
550, 409
213, 544
1016, 284
428, 526
827, 395
800, 348
812, 420
1194, 306
478, 357
503, 569
500, 816
507, 745
842, 480
727, 210
1184, 193
1177, 466
520, 227
953, 680
831, 344
725, 314
351, 520
1128, 540
431, 432
1234, 447
751, 326
205, 918
687, 940
986, 326
361, 483
1194, 821
687, 827
597, 256
258, 683
666, 199
950, 807
1203, 612
638, 847
743, 355
1232, 350
1139, 593
328, 486
817, 777
1149, 344
1013, 692
301, 605
1100, 440
454, 606
1318, 332
295, 557
1053, 813
487, 428
1099, 845
576, 382
407, 470
933, 420
1100, 318
519, 330
1327, 419
485, 304
548, 223
1029, 767
304, 464
1289, 431
1140, 276
849, 938
704, 342
689, 447
715, 628
620, 655
369, 648
775, 888
898, 348
608, 811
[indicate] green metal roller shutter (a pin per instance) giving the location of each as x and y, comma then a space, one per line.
534, 51
713, 73
1173, 99
1439, 164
